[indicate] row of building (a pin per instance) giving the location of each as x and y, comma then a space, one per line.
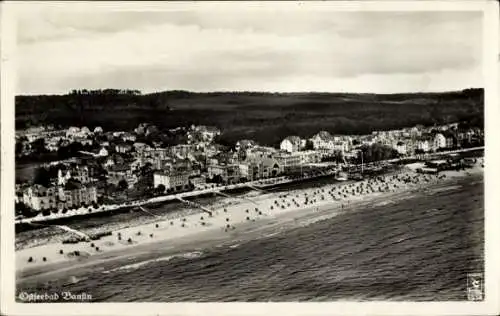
72, 195
72, 188
200, 159
406, 141
259, 163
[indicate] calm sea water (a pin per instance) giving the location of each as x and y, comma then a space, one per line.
418, 249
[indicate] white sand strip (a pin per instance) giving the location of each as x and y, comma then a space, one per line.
230, 213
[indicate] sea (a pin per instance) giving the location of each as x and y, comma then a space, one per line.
420, 248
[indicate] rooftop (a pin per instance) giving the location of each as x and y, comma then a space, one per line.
324, 135
119, 168
293, 139
438, 162
72, 185
172, 173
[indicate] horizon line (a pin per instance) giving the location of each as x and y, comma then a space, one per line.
247, 91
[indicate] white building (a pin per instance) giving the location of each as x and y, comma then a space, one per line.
311, 156
451, 141
103, 152
78, 133
121, 172
439, 141
174, 181
245, 144
292, 144
73, 131
401, 148
415, 132
72, 195
84, 141
76, 196
80, 174
208, 133
39, 198
342, 146
288, 160
123, 148
323, 140
85, 131
52, 144
424, 145
129, 137
230, 173
141, 147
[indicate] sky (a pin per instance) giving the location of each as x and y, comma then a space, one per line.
262, 50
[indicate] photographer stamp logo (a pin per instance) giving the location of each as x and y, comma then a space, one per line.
475, 286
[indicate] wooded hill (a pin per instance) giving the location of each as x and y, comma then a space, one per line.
264, 117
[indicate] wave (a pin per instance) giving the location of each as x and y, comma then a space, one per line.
447, 188
138, 265
383, 203
191, 255
332, 260
74, 280
271, 235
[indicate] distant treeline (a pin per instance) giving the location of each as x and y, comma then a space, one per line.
264, 117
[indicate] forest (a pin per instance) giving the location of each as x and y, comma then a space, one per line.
264, 117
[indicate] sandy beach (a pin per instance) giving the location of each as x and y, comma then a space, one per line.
228, 217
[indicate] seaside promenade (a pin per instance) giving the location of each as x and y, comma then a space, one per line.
253, 185
164, 198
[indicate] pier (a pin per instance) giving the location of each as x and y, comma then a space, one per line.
196, 205
74, 231
255, 188
68, 229
238, 197
146, 211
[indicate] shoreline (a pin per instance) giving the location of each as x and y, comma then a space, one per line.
148, 216
83, 211
258, 184
170, 238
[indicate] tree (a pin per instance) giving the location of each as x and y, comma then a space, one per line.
217, 179
309, 145
338, 156
147, 169
160, 189
75, 147
376, 152
22, 209
42, 177
19, 147
123, 185
110, 188
38, 145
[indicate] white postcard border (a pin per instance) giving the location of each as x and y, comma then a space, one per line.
492, 175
